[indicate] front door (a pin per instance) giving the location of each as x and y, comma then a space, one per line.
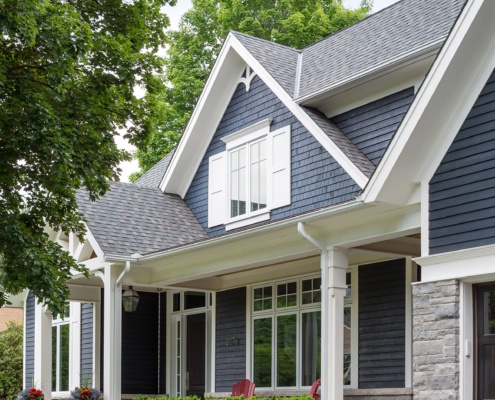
196, 361
485, 341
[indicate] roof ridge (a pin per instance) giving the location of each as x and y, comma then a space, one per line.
265, 40
353, 25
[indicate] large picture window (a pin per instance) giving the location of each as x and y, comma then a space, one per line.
60, 351
286, 333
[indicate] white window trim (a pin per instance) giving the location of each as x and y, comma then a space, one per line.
273, 313
248, 134
73, 321
277, 179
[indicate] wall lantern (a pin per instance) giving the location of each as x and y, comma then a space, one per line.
130, 300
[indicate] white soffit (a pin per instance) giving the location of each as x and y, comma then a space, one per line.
447, 95
211, 106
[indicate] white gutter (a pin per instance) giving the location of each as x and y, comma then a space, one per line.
341, 208
324, 286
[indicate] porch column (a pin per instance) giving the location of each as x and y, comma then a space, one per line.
43, 350
334, 266
112, 334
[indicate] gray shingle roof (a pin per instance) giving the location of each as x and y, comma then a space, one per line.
279, 61
394, 32
154, 175
391, 33
342, 142
136, 219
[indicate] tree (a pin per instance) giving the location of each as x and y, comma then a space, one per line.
11, 361
68, 70
193, 47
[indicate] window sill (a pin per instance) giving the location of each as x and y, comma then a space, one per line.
247, 221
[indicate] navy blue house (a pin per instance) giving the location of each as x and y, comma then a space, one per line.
327, 214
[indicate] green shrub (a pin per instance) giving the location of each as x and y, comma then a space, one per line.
11, 361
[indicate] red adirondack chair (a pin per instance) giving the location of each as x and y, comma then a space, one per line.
244, 387
314, 389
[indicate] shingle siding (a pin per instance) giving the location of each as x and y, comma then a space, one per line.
230, 323
317, 180
371, 126
382, 331
87, 343
462, 190
29, 332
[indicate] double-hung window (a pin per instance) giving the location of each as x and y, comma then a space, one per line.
251, 177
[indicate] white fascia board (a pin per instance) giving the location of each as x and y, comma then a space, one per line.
470, 264
209, 111
440, 107
204, 120
356, 174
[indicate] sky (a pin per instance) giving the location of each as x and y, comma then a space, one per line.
175, 14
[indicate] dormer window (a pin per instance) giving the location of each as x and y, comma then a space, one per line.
251, 177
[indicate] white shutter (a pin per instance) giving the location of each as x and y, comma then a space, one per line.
279, 174
217, 189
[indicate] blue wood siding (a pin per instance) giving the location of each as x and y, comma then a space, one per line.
317, 179
462, 190
382, 332
29, 337
230, 324
140, 346
371, 126
87, 342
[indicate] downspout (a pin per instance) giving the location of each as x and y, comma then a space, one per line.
324, 294
124, 273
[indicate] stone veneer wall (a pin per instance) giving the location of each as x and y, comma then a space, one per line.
436, 340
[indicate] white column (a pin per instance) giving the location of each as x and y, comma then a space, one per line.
334, 266
112, 336
43, 350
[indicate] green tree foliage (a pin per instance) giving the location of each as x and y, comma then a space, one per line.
68, 70
193, 47
11, 361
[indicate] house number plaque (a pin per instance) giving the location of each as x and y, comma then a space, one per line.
233, 341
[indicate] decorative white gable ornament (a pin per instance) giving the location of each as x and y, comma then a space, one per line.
247, 76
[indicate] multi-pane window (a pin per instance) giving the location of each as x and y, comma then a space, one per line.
248, 175
286, 333
286, 326
60, 351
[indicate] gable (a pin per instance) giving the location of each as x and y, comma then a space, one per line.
462, 190
317, 180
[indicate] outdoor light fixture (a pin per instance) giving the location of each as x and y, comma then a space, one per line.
130, 300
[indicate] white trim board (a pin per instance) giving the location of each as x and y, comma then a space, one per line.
475, 264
